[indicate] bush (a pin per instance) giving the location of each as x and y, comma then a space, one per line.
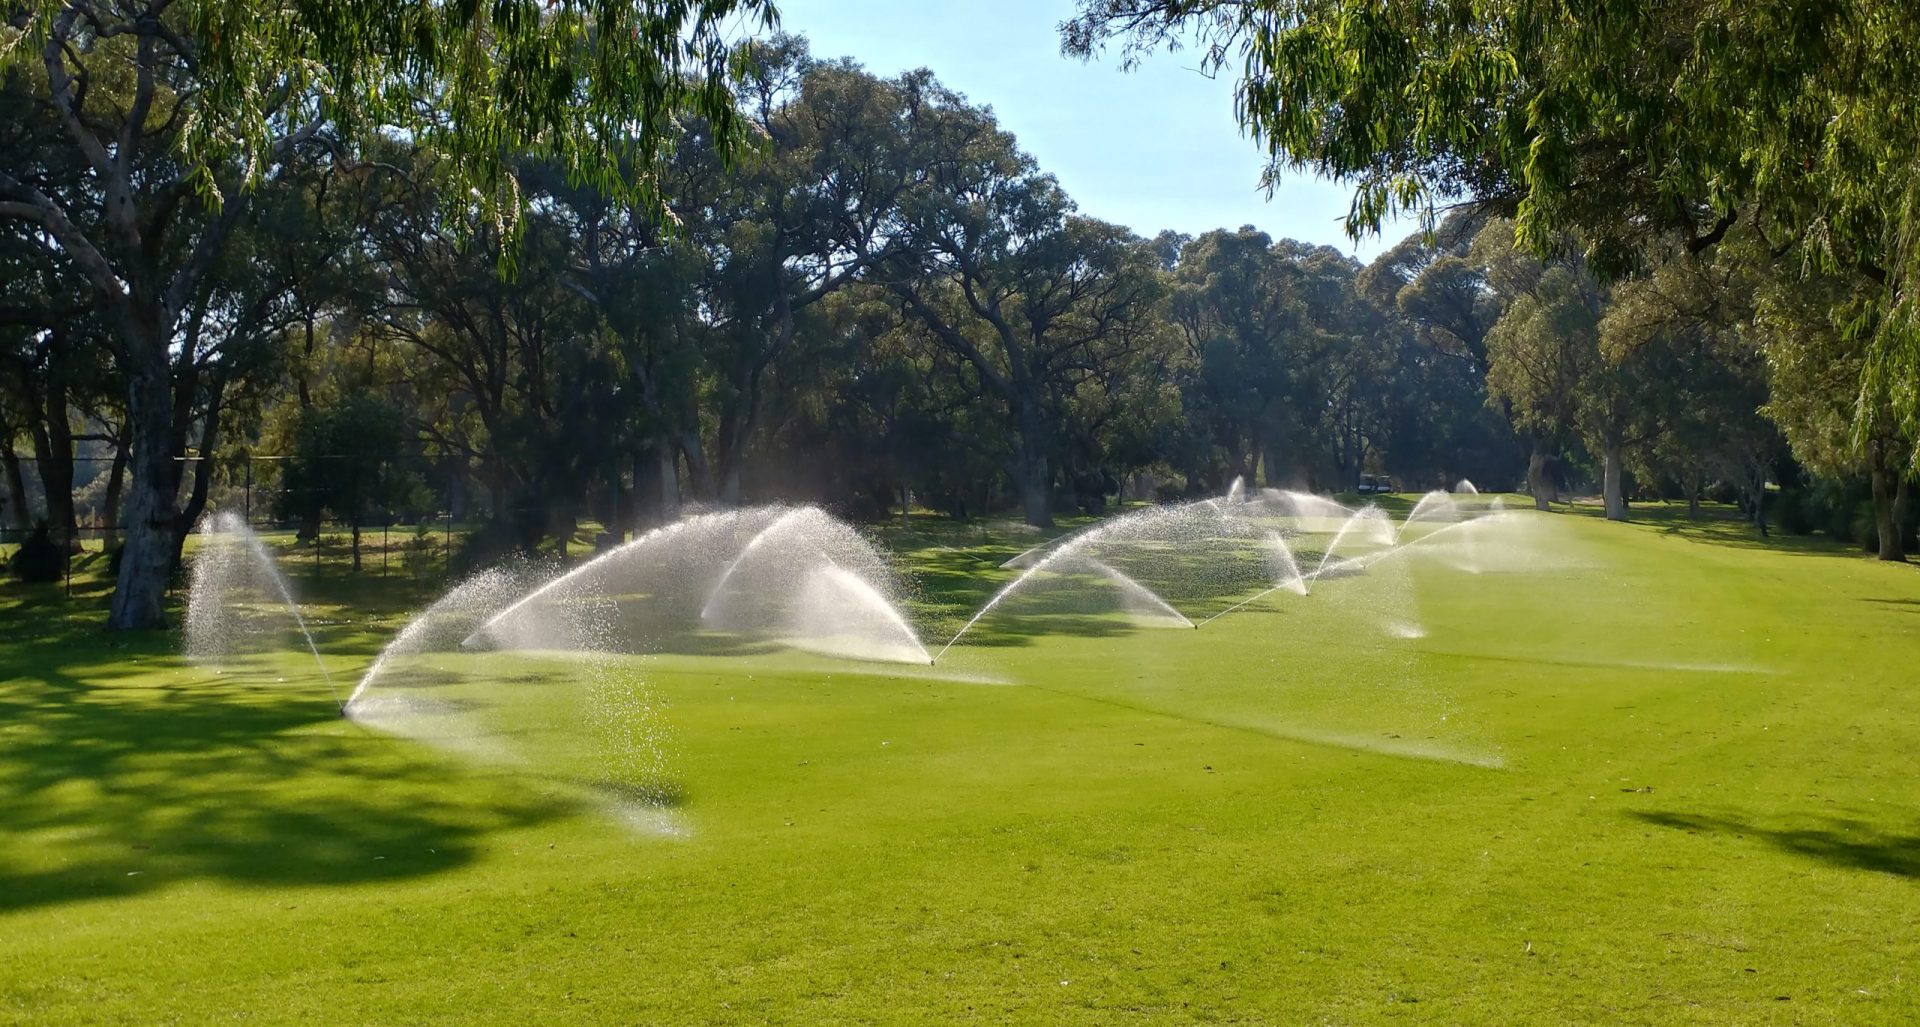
421, 552
1796, 512
1865, 530
491, 543
39, 558
1842, 508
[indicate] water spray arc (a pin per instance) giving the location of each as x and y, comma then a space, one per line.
234, 560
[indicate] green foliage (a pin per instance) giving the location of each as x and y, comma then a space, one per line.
590, 85
421, 554
349, 461
1646, 128
1795, 513
1543, 355
495, 541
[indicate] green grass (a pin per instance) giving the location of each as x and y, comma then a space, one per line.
1669, 779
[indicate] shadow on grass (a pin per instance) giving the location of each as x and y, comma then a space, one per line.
111, 789
1722, 525
1844, 842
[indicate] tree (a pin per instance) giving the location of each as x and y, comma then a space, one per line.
1544, 350
818, 210
180, 112
1648, 128
1234, 303
1035, 299
1703, 382
1808, 332
348, 461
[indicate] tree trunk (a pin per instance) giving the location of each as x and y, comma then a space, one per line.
1612, 488
699, 474
16, 488
353, 524
906, 505
1901, 496
53, 458
1032, 477
110, 508
196, 501
139, 596
1271, 458
667, 476
729, 444
1885, 489
1035, 485
1693, 497
1537, 476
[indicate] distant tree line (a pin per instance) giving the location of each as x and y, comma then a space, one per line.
1741, 178
783, 277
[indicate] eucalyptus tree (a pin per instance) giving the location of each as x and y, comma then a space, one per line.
639, 285
1544, 349
49, 365
349, 459
1033, 298
1690, 324
1807, 329
179, 111
1432, 282
1233, 303
1343, 349
1650, 128
819, 208
500, 376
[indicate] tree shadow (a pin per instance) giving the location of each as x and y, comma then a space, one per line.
109, 790
1846, 842
1721, 525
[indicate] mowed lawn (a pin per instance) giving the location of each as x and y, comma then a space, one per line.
1651, 773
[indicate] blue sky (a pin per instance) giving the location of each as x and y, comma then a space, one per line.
1154, 148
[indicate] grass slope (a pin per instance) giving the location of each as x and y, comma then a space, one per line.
1667, 779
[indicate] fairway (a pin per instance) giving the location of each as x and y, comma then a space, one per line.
1657, 772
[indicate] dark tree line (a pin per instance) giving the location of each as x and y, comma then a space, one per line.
1741, 177
880, 302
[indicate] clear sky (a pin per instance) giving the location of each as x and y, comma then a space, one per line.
1154, 148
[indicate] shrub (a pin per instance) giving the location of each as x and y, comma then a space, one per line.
1796, 512
491, 543
421, 552
1863, 529
1842, 508
39, 558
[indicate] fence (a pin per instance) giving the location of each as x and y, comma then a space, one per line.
417, 543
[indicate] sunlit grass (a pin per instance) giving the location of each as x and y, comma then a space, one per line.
1665, 776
